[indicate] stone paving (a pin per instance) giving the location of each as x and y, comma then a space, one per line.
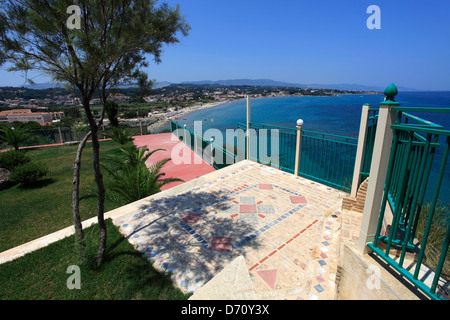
286, 228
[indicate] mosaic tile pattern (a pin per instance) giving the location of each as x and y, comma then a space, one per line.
280, 223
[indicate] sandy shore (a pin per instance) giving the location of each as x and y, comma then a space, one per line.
157, 126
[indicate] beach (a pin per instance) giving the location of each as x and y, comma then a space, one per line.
175, 115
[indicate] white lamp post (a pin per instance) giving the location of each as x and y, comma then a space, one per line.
212, 147
299, 144
248, 126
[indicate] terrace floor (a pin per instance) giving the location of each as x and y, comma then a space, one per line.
171, 148
247, 231
244, 232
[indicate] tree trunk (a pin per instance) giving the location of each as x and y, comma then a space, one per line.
94, 126
101, 198
76, 199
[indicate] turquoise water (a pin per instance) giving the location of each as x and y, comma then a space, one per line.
335, 115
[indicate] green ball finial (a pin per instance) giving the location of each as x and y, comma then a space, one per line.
390, 92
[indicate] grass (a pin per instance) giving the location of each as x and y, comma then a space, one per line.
436, 236
28, 214
125, 274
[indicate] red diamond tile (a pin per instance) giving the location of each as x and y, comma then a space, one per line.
320, 279
265, 186
298, 199
247, 208
220, 244
269, 277
190, 218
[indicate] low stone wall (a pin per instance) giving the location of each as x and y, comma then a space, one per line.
357, 281
356, 204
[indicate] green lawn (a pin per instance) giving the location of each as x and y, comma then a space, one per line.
28, 214
125, 274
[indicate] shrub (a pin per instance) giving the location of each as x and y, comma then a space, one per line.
15, 137
436, 236
121, 136
11, 159
28, 173
131, 179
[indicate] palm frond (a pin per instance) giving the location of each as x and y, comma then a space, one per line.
131, 179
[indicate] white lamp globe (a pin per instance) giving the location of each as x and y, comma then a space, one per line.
300, 122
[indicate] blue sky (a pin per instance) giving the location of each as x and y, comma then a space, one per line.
308, 42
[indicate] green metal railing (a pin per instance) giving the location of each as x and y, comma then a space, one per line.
214, 154
412, 157
325, 158
328, 159
272, 145
369, 143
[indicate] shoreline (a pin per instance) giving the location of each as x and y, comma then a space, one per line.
157, 126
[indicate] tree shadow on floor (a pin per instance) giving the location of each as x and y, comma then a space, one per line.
191, 235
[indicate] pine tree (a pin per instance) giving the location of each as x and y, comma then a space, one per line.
99, 43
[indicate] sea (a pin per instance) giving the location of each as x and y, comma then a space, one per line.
339, 115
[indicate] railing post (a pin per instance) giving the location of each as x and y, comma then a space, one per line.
378, 169
248, 126
298, 146
212, 149
360, 150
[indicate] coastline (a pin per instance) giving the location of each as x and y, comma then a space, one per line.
159, 125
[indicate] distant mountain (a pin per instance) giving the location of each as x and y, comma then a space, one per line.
245, 82
358, 87
43, 86
273, 83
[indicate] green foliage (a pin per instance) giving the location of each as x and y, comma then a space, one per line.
67, 122
436, 236
134, 113
14, 137
110, 46
33, 33
28, 173
121, 136
32, 125
112, 109
125, 275
79, 132
132, 180
11, 159
50, 200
